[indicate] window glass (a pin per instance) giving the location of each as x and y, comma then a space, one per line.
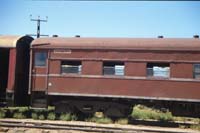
158, 70
40, 58
113, 68
119, 69
71, 67
197, 71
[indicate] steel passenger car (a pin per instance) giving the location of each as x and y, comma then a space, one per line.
113, 74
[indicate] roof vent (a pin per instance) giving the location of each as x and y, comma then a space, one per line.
55, 36
78, 36
160, 36
196, 36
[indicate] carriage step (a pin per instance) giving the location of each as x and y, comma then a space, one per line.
39, 103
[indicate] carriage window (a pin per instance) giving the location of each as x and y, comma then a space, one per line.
113, 68
196, 71
40, 58
73, 67
158, 70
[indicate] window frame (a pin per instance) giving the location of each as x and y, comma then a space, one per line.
45, 62
71, 62
113, 64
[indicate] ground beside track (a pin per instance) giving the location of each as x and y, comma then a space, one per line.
34, 130
139, 128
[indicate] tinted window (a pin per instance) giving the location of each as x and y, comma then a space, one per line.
40, 58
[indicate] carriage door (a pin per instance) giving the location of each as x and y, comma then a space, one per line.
39, 87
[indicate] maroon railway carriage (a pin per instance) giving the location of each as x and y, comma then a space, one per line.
14, 69
112, 74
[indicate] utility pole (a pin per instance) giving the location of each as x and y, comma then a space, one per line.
38, 25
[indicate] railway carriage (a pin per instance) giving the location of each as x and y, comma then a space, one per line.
114, 74
14, 70
101, 74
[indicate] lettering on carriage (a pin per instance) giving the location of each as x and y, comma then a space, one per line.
62, 51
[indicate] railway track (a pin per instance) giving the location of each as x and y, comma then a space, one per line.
88, 127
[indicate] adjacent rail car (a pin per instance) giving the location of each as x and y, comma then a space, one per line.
14, 69
113, 74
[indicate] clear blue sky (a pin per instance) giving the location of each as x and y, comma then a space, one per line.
102, 19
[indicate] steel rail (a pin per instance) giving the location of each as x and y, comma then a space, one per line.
86, 128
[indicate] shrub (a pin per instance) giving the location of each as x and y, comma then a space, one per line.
74, 117
122, 121
23, 109
196, 127
34, 116
137, 114
65, 117
51, 109
166, 116
11, 111
39, 114
18, 112
38, 111
102, 120
19, 115
51, 116
41, 117
2, 113
145, 113
99, 114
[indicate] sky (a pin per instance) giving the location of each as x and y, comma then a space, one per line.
145, 19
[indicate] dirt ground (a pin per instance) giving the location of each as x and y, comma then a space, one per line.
33, 130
